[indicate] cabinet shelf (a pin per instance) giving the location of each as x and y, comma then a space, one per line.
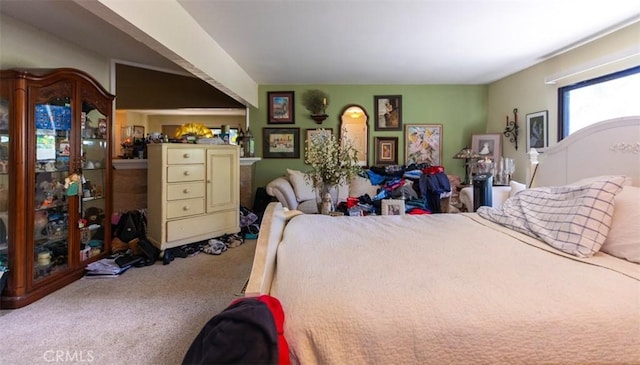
52, 206
51, 171
50, 241
92, 198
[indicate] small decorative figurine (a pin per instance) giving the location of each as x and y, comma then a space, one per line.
71, 183
327, 204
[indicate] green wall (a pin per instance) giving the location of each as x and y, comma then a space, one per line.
461, 109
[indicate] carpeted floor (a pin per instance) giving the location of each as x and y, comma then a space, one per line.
148, 315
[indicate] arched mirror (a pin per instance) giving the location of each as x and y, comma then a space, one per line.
354, 125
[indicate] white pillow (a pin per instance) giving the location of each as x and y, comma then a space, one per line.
516, 187
360, 186
343, 192
301, 186
623, 240
588, 180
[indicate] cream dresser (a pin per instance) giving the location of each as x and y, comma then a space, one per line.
193, 192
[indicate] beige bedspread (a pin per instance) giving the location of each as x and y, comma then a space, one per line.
445, 289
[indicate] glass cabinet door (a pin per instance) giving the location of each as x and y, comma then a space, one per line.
54, 151
4, 185
94, 150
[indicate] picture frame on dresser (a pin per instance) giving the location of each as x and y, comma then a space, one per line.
392, 207
281, 142
138, 131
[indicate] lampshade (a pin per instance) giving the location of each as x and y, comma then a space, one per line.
466, 153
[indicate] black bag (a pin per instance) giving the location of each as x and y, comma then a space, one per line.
131, 225
149, 251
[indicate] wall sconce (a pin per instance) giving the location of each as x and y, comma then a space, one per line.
511, 130
316, 102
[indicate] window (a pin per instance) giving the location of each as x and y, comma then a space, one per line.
605, 97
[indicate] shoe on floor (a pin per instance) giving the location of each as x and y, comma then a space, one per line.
214, 247
232, 240
179, 252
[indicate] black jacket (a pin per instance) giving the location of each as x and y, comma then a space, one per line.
244, 333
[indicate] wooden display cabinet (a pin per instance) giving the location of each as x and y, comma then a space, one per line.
55, 127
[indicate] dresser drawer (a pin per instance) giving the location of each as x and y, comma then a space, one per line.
179, 173
185, 155
211, 224
185, 191
184, 208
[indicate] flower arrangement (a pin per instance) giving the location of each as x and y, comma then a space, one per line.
332, 163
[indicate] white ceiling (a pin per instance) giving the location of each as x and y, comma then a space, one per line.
359, 41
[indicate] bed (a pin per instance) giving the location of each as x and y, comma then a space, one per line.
465, 288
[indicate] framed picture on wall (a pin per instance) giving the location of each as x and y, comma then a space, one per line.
310, 133
386, 150
280, 107
388, 112
281, 142
423, 144
537, 131
487, 145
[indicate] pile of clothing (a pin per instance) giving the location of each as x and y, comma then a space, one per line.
421, 186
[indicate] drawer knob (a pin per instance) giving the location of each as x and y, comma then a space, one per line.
187, 173
186, 155
185, 208
186, 191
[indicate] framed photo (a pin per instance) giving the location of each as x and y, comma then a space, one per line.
64, 148
233, 134
281, 142
138, 131
388, 112
280, 107
392, 207
487, 145
423, 143
312, 131
386, 150
537, 131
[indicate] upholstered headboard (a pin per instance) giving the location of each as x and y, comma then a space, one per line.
610, 147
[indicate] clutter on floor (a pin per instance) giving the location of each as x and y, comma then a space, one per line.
107, 268
130, 247
213, 246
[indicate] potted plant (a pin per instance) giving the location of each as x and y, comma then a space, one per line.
316, 102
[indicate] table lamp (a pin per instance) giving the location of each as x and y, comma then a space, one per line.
466, 154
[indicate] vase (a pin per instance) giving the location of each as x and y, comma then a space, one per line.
326, 197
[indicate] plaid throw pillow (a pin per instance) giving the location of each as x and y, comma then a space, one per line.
573, 219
